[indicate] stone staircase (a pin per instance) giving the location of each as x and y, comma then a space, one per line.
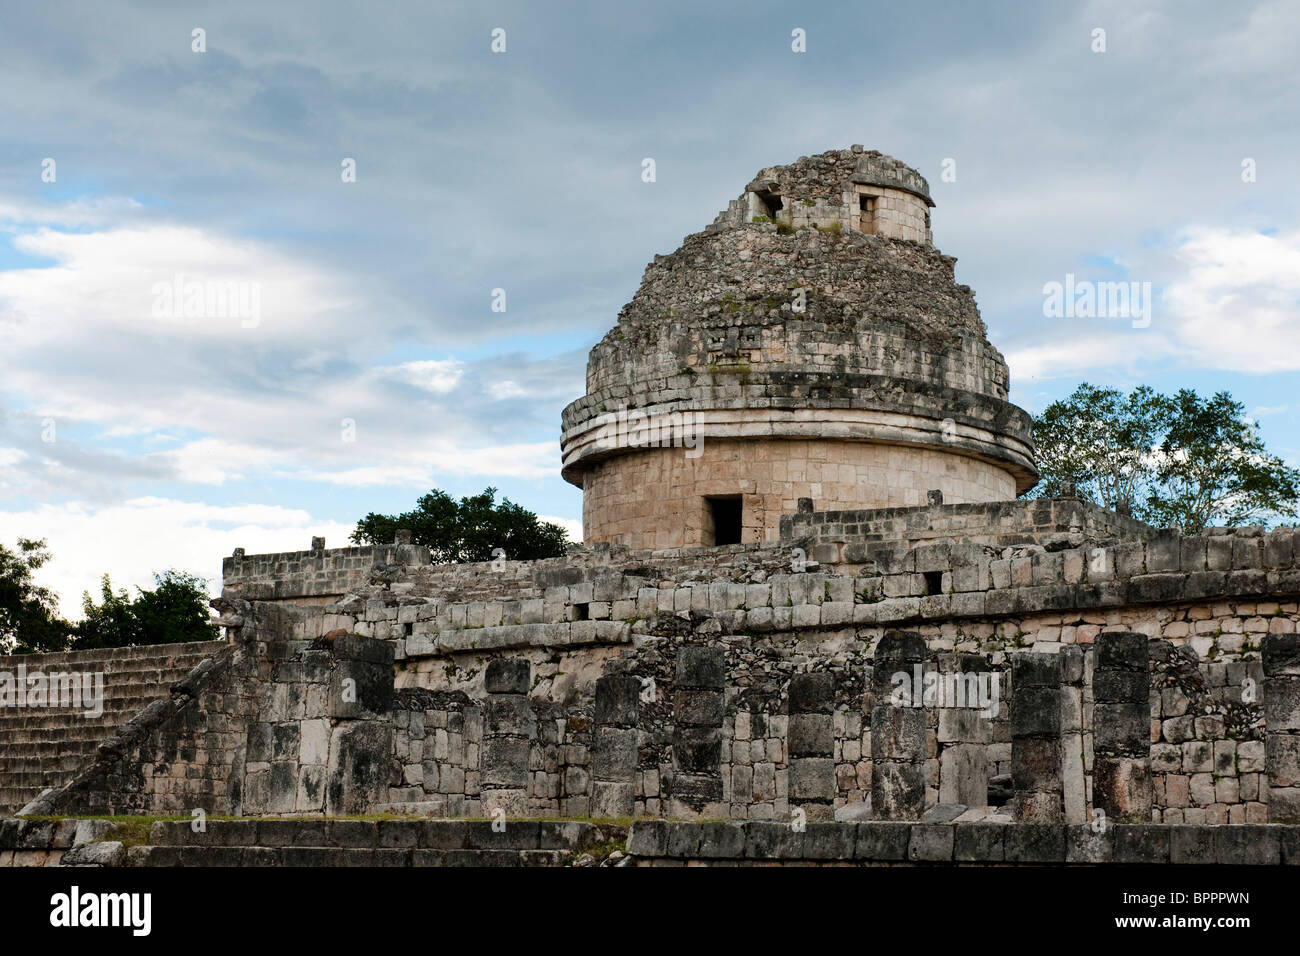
44, 747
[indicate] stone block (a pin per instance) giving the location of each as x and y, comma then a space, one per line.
810, 734
1034, 843
1248, 845
701, 667
698, 708
931, 843
617, 696
812, 778
830, 841
698, 749
812, 693
508, 675
1083, 844
881, 841
1141, 843
978, 842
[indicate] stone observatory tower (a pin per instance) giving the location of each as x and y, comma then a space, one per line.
810, 343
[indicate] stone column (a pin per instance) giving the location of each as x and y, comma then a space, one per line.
616, 744
697, 732
509, 728
810, 740
1282, 726
1074, 786
963, 735
1122, 785
359, 701
897, 729
1036, 737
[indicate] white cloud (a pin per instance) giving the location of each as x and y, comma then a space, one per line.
1236, 306
1069, 353
213, 461
1231, 303
108, 281
434, 376
571, 525
133, 540
208, 401
534, 460
506, 389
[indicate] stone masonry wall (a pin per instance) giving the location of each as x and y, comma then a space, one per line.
823, 190
44, 746
736, 683
265, 725
316, 576
844, 537
656, 499
633, 614
675, 843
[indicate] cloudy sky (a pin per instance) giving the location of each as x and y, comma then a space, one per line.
134, 437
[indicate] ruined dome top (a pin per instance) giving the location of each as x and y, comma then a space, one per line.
818, 288
811, 176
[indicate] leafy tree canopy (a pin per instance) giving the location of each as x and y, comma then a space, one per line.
173, 612
1174, 461
468, 530
29, 618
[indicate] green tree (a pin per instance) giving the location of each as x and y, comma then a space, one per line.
29, 618
1179, 461
1101, 441
469, 529
1213, 468
173, 612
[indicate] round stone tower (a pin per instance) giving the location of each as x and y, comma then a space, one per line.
810, 343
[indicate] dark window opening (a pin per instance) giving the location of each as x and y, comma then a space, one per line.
770, 202
933, 582
726, 515
580, 612
867, 206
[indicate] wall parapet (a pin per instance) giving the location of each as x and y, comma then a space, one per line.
315, 575
877, 843
839, 536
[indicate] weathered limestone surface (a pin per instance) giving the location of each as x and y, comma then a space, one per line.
812, 344
1282, 726
44, 746
677, 843
898, 734
1036, 737
843, 387
266, 725
675, 683
1121, 691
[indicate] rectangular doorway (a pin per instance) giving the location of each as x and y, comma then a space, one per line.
725, 514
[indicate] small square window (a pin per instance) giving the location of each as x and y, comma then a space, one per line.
867, 208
